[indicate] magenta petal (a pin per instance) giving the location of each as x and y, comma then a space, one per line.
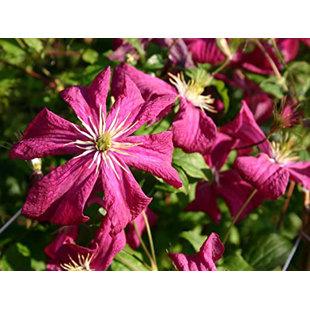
124, 198
193, 130
210, 252
235, 193
67, 235
131, 235
127, 105
61, 195
45, 136
86, 101
300, 173
205, 51
220, 151
205, 201
268, 177
245, 128
153, 155
147, 84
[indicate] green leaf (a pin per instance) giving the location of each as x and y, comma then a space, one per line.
268, 251
185, 183
223, 92
16, 257
90, 56
236, 263
36, 44
193, 164
11, 47
124, 261
155, 62
273, 86
194, 237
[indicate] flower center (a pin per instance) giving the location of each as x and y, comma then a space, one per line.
283, 151
192, 90
83, 263
104, 142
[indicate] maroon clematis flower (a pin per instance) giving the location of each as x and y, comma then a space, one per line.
65, 255
103, 147
193, 130
270, 172
226, 184
210, 252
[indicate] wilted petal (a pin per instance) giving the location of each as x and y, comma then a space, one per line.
154, 155
45, 136
147, 84
61, 195
245, 128
193, 130
210, 252
205, 201
86, 101
131, 235
268, 177
300, 173
124, 198
235, 193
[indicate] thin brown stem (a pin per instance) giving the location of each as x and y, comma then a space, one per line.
30, 73
286, 204
62, 53
238, 215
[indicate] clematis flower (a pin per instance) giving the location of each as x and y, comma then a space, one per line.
193, 130
225, 184
205, 51
270, 172
258, 101
131, 235
210, 252
103, 147
66, 255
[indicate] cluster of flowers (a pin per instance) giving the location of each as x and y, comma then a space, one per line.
104, 146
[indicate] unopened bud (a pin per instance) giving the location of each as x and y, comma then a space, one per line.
224, 47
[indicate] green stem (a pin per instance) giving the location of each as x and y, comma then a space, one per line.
149, 234
127, 263
144, 247
238, 215
221, 67
254, 144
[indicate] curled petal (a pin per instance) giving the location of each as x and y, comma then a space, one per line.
268, 177
154, 155
210, 252
46, 135
193, 130
300, 173
61, 195
124, 198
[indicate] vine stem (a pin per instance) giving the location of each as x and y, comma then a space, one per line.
137, 258
221, 67
149, 234
286, 203
254, 144
238, 215
127, 263
10, 221
144, 247
271, 62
